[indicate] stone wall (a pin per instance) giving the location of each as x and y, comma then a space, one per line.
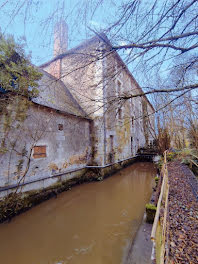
124, 118
97, 77
46, 143
81, 71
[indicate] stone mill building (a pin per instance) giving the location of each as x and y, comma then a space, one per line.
80, 118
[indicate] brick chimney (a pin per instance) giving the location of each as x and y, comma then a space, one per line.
60, 38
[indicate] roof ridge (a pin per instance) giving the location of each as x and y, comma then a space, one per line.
67, 91
100, 36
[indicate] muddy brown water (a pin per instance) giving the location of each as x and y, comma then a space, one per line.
90, 224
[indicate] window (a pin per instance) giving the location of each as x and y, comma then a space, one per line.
132, 105
132, 120
138, 143
111, 143
39, 152
118, 87
111, 153
120, 113
132, 145
60, 127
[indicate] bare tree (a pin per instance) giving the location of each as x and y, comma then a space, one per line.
151, 37
154, 31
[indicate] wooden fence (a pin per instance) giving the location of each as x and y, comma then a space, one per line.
159, 230
192, 161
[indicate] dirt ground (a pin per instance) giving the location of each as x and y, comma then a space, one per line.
183, 214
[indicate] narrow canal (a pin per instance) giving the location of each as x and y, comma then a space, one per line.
90, 224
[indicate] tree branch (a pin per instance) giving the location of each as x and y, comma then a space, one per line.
155, 43
188, 87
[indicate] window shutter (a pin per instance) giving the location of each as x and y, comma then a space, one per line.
39, 152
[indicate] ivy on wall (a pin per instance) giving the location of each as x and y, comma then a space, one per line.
18, 85
17, 74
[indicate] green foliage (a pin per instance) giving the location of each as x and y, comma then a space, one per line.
18, 83
185, 152
151, 207
170, 156
156, 180
160, 163
21, 109
3, 149
16, 72
189, 157
185, 155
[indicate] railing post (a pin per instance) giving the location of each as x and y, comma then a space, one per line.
163, 196
165, 161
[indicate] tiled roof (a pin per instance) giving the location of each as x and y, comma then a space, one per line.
53, 93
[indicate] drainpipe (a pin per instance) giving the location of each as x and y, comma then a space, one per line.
104, 103
5, 188
111, 164
60, 70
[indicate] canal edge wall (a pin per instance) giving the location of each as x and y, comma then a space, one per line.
17, 199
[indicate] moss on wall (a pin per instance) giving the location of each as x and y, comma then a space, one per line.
150, 213
16, 203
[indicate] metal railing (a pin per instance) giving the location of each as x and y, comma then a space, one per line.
159, 229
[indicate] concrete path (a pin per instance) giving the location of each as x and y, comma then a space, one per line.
140, 250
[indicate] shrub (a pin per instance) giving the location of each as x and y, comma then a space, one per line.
160, 163
170, 156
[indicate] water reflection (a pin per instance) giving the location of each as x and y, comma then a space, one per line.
89, 224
